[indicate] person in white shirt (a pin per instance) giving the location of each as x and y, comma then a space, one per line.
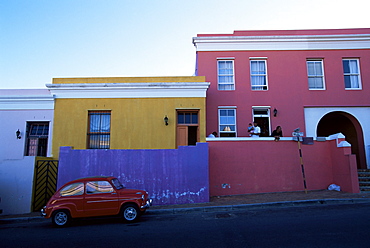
256, 131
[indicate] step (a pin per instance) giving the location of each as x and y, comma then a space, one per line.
364, 188
364, 174
363, 179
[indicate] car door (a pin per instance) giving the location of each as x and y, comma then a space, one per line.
100, 199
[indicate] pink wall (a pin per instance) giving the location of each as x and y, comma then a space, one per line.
244, 167
287, 85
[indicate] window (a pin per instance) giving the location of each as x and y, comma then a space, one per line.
98, 187
72, 189
37, 138
351, 71
99, 130
187, 118
258, 75
225, 75
227, 122
315, 72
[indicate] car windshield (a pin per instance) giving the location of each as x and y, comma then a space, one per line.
117, 183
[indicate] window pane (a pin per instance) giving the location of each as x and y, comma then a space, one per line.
346, 66
96, 187
72, 189
354, 82
187, 118
180, 118
318, 68
310, 68
194, 118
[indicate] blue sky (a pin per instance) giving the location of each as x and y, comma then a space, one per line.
45, 39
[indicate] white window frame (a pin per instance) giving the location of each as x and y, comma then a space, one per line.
316, 75
258, 87
220, 85
353, 74
267, 115
222, 126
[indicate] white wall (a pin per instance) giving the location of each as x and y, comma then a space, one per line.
17, 107
16, 182
362, 114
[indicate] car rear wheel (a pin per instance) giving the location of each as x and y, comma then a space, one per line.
130, 213
61, 218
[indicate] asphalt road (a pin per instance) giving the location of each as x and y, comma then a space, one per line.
315, 226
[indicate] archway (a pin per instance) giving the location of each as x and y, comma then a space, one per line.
341, 122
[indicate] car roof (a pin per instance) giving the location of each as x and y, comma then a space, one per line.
83, 179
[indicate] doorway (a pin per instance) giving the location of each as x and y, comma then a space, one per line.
262, 117
187, 131
348, 125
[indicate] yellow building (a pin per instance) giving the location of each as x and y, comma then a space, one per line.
128, 112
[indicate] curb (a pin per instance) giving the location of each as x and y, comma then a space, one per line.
218, 208
260, 206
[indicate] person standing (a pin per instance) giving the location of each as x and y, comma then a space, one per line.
256, 130
277, 133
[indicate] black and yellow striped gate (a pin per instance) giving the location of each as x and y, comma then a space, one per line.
45, 182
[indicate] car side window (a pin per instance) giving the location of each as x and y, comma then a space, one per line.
97, 187
72, 189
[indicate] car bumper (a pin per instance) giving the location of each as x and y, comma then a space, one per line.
43, 213
148, 203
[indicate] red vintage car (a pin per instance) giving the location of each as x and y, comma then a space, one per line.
95, 196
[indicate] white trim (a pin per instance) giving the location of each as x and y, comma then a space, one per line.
261, 107
226, 58
129, 90
227, 107
284, 42
10, 102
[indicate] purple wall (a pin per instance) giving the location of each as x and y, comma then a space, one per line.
171, 176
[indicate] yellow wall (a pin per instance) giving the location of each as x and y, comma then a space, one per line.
135, 123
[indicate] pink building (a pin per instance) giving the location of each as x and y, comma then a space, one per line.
317, 80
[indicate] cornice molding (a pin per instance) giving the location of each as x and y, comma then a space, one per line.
129, 90
284, 42
26, 102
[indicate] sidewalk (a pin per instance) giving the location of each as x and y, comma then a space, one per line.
222, 203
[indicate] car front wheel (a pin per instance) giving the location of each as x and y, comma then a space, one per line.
130, 213
61, 218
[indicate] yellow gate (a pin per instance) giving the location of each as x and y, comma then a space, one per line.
45, 182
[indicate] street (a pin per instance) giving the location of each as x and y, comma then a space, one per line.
314, 226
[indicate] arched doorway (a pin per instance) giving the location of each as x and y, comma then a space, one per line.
341, 122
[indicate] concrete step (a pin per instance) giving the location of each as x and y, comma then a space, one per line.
363, 188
